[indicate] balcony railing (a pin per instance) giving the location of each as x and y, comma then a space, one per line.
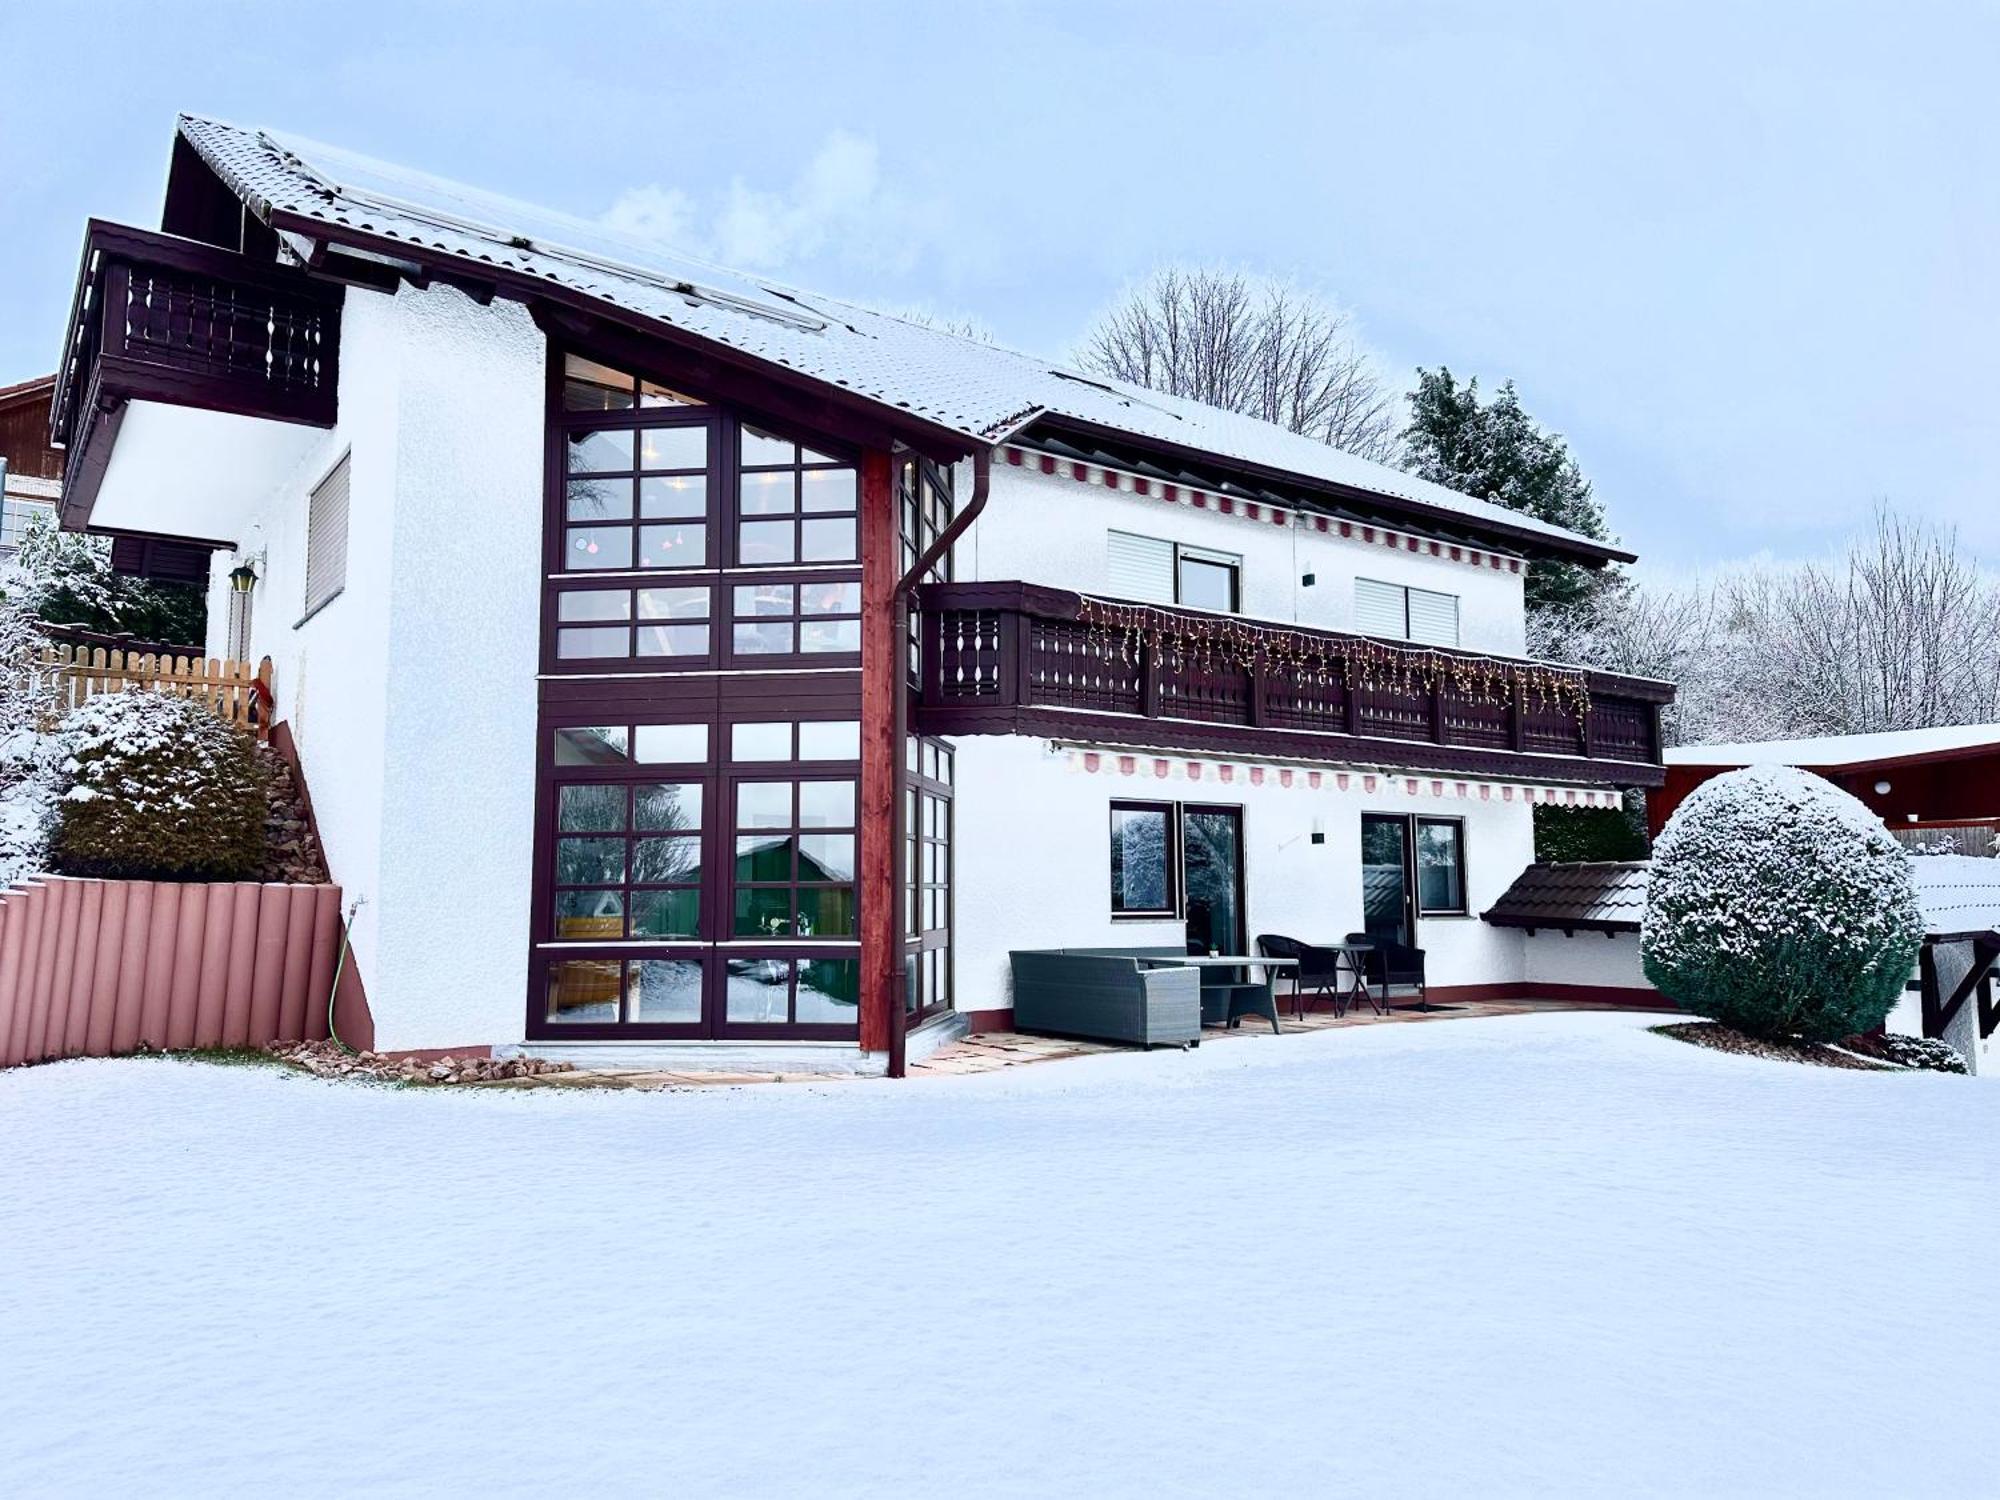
1019, 658
159, 318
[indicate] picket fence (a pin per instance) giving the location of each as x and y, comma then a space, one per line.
234, 691
96, 968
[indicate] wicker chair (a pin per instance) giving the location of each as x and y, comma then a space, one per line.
1391, 963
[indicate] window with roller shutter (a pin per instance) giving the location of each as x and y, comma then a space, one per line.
1425, 616
326, 538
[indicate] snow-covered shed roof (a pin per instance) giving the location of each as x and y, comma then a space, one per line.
1843, 750
1598, 896
978, 391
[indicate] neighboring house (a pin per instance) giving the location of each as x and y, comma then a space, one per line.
1936, 788
30, 469
676, 657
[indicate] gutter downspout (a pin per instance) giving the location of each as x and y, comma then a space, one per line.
982, 485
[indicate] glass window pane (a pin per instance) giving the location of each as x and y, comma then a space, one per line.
827, 540
770, 638
589, 386
764, 857
829, 635
667, 809
590, 861
1208, 585
586, 547
764, 804
579, 605
590, 809
1138, 859
762, 912
673, 640
826, 856
593, 642
826, 911
765, 542
681, 546
774, 494
760, 447
659, 395
763, 599
1440, 867
829, 991
584, 989
826, 804
666, 914
683, 497
673, 604
673, 860
829, 599
594, 746
664, 990
830, 739
601, 452
590, 915
654, 744
826, 489
760, 741
758, 990
673, 447
598, 500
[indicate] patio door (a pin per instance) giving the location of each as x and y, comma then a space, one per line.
1212, 865
1388, 878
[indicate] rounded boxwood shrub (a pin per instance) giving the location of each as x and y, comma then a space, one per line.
157, 788
1781, 906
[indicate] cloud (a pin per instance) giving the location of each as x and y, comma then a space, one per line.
837, 208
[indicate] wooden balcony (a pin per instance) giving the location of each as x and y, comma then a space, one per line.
1020, 658
164, 319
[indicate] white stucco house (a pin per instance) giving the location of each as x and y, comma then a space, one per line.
679, 659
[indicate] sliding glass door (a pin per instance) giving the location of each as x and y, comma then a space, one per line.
1212, 856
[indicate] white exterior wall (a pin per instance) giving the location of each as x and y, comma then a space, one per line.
1602, 960
1052, 530
412, 694
1033, 865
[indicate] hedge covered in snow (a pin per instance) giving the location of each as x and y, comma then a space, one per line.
156, 788
1781, 906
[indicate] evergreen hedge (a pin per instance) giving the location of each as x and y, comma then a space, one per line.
156, 788
1781, 906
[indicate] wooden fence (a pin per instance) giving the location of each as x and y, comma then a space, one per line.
234, 691
95, 968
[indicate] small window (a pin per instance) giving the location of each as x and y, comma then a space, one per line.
1161, 572
1142, 872
793, 505
326, 538
1440, 867
1390, 609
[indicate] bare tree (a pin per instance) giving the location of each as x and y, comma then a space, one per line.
1252, 345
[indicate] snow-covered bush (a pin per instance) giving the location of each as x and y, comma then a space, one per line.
66, 578
28, 756
1781, 906
157, 788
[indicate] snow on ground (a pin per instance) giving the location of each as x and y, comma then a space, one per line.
1549, 1253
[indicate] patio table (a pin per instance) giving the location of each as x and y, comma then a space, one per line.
1228, 961
1354, 957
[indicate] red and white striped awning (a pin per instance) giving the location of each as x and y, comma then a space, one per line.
1140, 768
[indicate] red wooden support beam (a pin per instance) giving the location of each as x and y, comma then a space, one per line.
881, 753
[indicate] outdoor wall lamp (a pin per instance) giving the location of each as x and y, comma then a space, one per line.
1319, 831
1309, 580
243, 577
1881, 788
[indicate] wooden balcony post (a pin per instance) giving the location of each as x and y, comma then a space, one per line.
1517, 716
1149, 678
882, 672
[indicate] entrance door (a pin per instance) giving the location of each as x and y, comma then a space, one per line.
1212, 860
1388, 904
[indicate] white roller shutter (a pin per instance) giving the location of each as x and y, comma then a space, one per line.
326, 538
1140, 567
1433, 618
1379, 609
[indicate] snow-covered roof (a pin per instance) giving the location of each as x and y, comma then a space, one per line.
978, 391
1602, 895
1841, 749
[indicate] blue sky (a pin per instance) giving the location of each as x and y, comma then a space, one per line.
1741, 256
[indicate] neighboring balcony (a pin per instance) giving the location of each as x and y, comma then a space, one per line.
192, 377
1020, 658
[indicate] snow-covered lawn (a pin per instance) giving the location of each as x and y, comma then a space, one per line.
1530, 1254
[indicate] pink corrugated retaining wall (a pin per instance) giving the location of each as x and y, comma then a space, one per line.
93, 968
